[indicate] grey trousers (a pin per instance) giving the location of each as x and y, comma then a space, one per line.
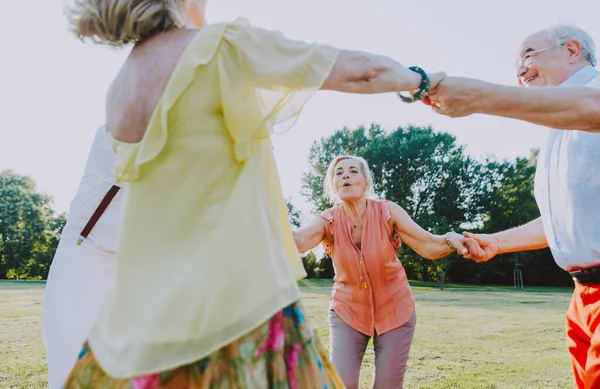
347, 348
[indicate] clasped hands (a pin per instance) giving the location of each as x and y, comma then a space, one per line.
478, 247
455, 96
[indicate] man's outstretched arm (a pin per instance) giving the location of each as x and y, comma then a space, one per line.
529, 236
566, 108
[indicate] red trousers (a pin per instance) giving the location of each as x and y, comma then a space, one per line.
583, 336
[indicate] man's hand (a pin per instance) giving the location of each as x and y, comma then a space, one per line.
488, 243
465, 246
458, 96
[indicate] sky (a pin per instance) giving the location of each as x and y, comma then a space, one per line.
52, 86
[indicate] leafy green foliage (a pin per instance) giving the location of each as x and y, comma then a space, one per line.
29, 229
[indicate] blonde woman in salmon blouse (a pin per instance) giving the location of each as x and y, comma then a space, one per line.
371, 295
190, 114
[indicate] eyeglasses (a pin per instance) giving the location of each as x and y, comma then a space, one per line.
527, 58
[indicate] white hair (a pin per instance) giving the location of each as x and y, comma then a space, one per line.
564, 33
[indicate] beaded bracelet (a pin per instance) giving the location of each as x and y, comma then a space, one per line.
423, 88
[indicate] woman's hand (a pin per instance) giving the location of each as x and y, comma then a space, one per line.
434, 79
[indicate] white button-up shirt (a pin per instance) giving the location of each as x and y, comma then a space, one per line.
567, 189
97, 179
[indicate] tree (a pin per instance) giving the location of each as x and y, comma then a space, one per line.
28, 227
310, 264
293, 214
324, 267
43, 254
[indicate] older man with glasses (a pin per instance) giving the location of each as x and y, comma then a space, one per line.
560, 59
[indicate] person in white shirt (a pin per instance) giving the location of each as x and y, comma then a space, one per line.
83, 266
561, 60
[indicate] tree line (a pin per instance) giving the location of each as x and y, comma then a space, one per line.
424, 171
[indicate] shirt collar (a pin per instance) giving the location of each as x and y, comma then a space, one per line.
581, 77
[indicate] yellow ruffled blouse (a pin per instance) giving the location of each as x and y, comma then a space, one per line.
206, 250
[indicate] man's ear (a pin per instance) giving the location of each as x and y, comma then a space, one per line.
574, 49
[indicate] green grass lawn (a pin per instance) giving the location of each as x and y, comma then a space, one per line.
467, 337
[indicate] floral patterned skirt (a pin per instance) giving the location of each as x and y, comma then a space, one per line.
281, 353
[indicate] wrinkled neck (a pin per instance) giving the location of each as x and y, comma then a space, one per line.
355, 209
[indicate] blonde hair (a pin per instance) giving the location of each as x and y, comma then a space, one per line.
118, 23
329, 187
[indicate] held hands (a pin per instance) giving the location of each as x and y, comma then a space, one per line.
465, 246
420, 93
478, 247
453, 96
435, 79
488, 244
457, 96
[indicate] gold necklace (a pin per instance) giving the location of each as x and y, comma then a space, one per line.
362, 284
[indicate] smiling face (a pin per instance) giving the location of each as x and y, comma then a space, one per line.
349, 181
543, 61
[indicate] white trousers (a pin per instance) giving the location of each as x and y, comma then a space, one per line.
77, 285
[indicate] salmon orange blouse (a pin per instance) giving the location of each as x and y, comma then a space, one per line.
387, 302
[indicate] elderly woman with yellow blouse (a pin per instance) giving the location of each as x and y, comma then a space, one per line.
371, 295
191, 113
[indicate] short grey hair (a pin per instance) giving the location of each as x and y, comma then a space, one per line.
563, 33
